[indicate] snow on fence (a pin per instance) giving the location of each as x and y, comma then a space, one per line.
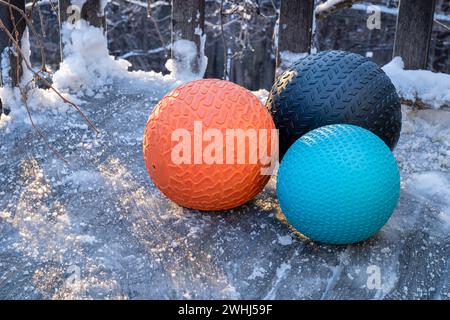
294, 31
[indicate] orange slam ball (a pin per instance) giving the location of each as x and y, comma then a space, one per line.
193, 158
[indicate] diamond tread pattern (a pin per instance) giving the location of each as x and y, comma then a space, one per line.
334, 87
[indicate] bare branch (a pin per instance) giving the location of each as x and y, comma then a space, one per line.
38, 130
442, 25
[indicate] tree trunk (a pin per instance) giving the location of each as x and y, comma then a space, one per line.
413, 32
9, 56
91, 12
188, 23
16, 26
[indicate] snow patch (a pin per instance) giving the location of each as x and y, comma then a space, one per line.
6, 66
37, 98
258, 272
185, 54
85, 180
78, 3
27, 75
103, 4
262, 95
87, 65
288, 58
430, 87
230, 292
284, 240
328, 6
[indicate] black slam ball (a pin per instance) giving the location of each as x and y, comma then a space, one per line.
333, 87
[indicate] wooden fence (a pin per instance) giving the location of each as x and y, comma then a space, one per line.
413, 33
413, 30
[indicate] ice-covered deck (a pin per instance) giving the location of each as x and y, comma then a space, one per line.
100, 229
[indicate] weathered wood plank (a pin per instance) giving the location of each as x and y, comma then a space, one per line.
295, 27
188, 23
413, 32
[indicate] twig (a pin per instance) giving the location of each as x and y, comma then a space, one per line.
33, 4
417, 103
38, 130
442, 25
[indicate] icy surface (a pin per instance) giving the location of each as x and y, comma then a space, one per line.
100, 229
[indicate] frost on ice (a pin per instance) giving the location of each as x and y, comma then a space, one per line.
433, 186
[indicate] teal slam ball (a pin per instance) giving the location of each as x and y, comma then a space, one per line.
338, 184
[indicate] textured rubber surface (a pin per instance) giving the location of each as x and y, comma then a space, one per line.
221, 105
334, 87
338, 184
